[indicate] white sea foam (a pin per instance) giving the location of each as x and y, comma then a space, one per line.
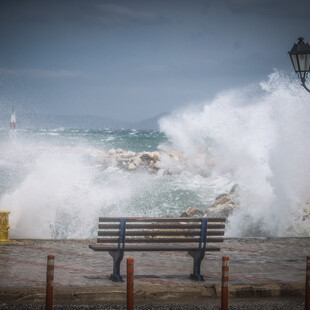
54, 190
57, 196
260, 138
257, 137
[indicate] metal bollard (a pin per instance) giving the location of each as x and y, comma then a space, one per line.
307, 298
130, 275
4, 226
49, 282
224, 295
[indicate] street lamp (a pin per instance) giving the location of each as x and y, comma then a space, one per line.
300, 57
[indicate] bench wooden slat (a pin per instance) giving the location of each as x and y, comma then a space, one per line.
161, 219
157, 240
142, 248
117, 235
148, 233
161, 226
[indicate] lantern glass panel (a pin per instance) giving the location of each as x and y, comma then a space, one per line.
295, 63
302, 62
307, 62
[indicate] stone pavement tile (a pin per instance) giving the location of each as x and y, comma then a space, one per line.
253, 260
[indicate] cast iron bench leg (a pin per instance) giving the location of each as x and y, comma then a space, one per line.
117, 258
198, 257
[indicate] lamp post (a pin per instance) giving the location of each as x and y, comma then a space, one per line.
300, 57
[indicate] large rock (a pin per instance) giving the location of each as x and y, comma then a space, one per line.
132, 166
192, 212
223, 206
306, 212
156, 156
137, 161
129, 154
146, 158
156, 165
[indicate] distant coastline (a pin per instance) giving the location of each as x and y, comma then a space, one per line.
36, 120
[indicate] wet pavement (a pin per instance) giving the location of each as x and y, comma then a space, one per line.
276, 263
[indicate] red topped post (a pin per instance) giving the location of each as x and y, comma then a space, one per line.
49, 282
225, 270
130, 275
307, 299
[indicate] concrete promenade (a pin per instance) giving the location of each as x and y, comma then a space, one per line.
271, 267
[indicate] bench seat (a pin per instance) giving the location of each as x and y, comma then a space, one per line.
142, 248
193, 235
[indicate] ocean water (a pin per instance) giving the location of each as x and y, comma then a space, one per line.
57, 182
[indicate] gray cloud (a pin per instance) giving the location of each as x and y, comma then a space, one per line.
275, 8
117, 14
135, 59
76, 13
39, 73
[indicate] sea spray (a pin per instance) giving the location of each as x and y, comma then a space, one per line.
57, 197
259, 139
56, 183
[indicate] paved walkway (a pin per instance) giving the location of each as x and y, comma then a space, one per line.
253, 261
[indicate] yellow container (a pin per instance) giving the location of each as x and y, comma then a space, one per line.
4, 226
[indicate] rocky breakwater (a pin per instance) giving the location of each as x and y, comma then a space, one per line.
164, 162
306, 212
132, 161
223, 206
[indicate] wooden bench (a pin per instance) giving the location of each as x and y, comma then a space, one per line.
193, 235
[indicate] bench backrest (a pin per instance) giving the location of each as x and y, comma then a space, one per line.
139, 230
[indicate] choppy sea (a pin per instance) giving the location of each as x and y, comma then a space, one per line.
56, 182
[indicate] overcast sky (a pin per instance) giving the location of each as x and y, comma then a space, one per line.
132, 60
